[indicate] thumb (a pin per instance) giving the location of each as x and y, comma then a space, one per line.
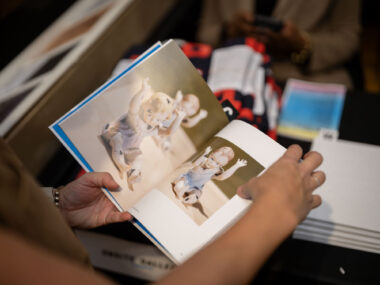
109, 182
117, 217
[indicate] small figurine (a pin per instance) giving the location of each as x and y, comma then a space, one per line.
189, 105
188, 186
147, 111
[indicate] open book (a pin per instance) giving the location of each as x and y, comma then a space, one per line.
160, 132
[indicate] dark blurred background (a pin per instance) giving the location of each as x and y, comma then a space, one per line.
22, 21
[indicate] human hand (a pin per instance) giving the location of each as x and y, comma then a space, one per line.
281, 44
288, 184
84, 205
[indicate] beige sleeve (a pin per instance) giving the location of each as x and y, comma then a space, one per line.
48, 191
338, 39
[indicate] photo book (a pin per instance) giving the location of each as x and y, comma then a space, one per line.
158, 129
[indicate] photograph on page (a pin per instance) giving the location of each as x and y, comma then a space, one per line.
209, 179
145, 123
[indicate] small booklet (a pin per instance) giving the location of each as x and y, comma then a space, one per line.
158, 129
309, 107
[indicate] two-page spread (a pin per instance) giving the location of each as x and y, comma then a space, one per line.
160, 132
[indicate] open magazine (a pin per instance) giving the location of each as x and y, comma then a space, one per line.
160, 132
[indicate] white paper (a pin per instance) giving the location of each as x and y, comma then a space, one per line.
351, 193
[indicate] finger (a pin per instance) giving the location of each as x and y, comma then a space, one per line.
109, 182
311, 161
317, 201
294, 152
118, 217
245, 190
317, 178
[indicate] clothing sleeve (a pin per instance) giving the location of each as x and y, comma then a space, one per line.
338, 39
48, 193
27, 212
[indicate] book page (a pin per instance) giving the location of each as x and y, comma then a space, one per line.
143, 123
198, 200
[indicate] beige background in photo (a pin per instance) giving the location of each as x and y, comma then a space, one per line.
242, 175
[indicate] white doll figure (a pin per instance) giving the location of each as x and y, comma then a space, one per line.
147, 111
188, 186
189, 105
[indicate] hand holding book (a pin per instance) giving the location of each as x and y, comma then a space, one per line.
289, 182
84, 205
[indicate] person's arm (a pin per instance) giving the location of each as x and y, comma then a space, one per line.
24, 263
282, 197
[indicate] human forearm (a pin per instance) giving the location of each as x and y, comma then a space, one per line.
22, 262
237, 256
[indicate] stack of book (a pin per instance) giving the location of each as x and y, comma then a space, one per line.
349, 215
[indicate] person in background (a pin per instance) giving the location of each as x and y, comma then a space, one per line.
38, 246
317, 38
